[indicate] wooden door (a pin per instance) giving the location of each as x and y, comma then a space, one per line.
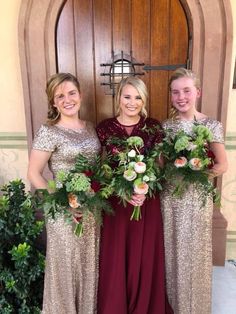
97, 40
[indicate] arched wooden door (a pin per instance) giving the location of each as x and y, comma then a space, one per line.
97, 40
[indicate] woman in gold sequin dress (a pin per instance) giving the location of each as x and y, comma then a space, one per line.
71, 272
188, 225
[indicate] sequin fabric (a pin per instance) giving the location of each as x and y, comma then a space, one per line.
188, 238
71, 274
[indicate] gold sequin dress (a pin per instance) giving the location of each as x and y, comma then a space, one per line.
71, 273
188, 238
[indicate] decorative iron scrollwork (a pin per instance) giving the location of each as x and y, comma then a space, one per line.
121, 65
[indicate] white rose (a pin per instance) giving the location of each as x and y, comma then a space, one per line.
130, 175
132, 153
140, 167
191, 146
146, 178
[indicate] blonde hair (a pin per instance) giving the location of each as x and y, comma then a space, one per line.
139, 85
53, 82
179, 73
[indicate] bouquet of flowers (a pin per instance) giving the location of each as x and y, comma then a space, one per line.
188, 160
133, 172
75, 193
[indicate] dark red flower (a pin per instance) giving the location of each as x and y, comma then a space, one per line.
95, 185
211, 155
88, 173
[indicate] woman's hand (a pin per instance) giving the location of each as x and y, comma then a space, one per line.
220, 162
137, 199
77, 215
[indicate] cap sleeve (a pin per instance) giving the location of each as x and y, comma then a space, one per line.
102, 133
217, 131
156, 131
44, 139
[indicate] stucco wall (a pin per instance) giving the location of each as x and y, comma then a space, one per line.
13, 147
229, 179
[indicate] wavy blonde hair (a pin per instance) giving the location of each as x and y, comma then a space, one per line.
139, 85
53, 82
179, 73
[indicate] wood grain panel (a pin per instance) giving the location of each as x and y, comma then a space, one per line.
160, 32
159, 56
121, 26
102, 52
178, 34
179, 37
66, 40
141, 36
84, 57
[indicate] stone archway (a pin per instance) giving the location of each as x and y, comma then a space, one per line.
210, 24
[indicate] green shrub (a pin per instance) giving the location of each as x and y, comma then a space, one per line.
21, 261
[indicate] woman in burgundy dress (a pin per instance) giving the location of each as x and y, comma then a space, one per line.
132, 276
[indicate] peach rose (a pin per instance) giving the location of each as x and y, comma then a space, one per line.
180, 162
73, 200
141, 188
195, 164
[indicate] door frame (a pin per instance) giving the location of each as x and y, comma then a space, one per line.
211, 58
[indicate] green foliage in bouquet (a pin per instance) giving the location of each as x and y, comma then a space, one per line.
188, 160
21, 262
133, 172
77, 189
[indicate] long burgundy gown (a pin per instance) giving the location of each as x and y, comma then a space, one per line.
132, 275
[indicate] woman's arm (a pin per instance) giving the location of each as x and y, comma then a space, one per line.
221, 163
37, 163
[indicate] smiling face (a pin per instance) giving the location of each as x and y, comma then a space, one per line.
67, 99
184, 95
130, 101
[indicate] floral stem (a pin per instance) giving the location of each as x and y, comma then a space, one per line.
79, 229
136, 215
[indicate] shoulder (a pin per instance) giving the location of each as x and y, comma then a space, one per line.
45, 138
149, 120
212, 124
167, 123
106, 122
106, 125
151, 123
105, 129
89, 124
216, 127
45, 129
211, 121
